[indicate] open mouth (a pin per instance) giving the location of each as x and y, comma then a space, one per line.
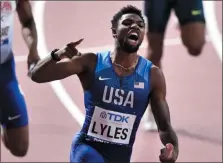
133, 38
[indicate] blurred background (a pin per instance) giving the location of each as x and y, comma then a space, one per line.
194, 84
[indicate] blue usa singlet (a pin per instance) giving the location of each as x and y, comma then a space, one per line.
114, 108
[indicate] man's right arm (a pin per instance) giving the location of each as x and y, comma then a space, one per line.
47, 69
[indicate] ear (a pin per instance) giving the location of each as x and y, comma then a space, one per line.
114, 32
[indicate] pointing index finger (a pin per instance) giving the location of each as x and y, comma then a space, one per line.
74, 44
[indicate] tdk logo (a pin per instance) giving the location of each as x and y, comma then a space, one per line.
114, 117
103, 115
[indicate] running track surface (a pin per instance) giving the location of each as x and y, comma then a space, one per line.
196, 109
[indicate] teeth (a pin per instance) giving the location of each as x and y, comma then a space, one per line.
134, 33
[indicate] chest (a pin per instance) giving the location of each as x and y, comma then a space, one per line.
128, 92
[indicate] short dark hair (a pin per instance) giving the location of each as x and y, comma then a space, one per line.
129, 9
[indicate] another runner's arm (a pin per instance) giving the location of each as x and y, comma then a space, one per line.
47, 69
29, 31
160, 109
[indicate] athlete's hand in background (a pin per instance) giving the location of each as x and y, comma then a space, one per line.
168, 154
32, 60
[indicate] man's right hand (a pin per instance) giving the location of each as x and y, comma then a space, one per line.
69, 50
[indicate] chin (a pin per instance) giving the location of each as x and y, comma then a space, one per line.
130, 48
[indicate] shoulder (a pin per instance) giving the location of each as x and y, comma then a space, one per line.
157, 77
156, 71
145, 64
92, 59
89, 60
89, 56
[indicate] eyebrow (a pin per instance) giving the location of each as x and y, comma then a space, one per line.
129, 19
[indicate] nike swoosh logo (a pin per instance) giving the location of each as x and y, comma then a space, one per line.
196, 12
15, 117
100, 78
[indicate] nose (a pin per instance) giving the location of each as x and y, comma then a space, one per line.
134, 26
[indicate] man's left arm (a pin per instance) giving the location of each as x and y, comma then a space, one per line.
29, 31
160, 110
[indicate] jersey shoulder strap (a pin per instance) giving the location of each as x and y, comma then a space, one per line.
102, 60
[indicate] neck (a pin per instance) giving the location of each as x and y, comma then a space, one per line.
123, 58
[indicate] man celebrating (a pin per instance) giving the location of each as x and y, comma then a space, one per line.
117, 87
